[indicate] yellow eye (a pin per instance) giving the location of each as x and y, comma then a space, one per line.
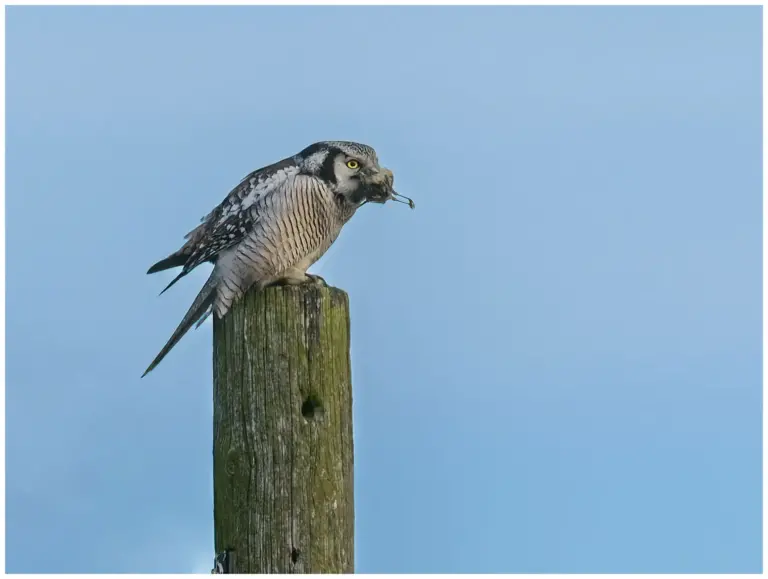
353, 164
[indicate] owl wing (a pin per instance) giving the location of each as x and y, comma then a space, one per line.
230, 222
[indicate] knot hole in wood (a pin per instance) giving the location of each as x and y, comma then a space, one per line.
312, 408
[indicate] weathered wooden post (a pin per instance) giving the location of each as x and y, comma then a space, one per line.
282, 432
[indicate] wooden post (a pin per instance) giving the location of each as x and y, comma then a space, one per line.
282, 432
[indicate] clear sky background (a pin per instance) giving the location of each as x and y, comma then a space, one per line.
556, 356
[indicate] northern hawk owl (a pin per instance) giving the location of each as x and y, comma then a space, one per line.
275, 224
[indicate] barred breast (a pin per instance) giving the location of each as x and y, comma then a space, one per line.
294, 227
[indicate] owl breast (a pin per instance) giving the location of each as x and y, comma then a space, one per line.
292, 230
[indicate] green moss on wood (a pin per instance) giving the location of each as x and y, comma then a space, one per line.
282, 451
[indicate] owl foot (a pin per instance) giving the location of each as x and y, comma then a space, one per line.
299, 279
317, 280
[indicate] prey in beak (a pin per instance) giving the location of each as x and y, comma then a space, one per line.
380, 189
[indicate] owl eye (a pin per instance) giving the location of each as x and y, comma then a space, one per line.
353, 164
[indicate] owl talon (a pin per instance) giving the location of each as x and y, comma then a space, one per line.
305, 279
317, 280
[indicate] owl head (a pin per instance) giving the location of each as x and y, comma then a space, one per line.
351, 171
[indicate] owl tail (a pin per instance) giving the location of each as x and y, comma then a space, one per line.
197, 313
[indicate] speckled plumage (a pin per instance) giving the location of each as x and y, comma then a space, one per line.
275, 224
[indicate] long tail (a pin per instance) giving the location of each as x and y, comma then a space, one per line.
176, 259
181, 257
198, 311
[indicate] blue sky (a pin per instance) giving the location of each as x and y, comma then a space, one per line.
556, 356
